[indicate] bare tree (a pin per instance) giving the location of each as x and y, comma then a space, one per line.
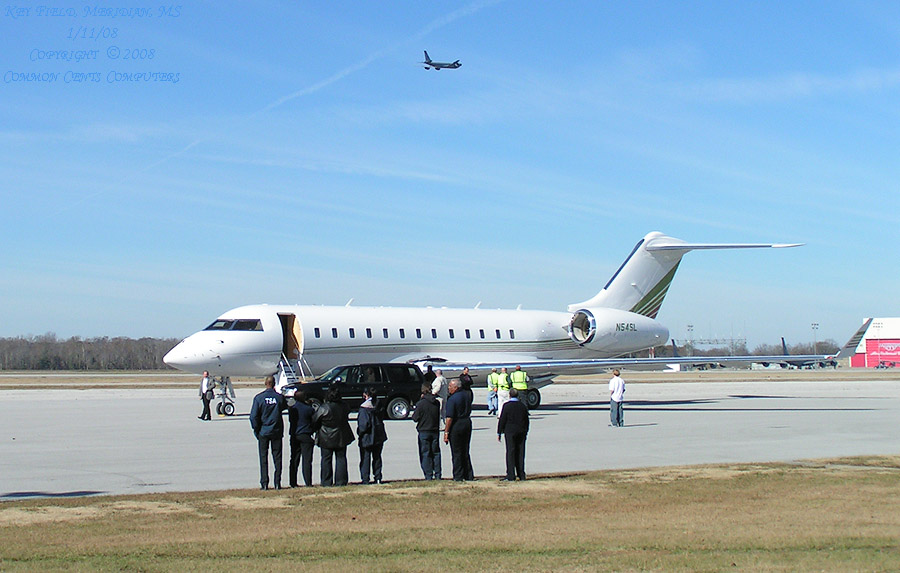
46, 352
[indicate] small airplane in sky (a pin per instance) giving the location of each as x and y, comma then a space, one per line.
429, 64
590, 337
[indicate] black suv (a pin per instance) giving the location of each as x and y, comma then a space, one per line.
398, 386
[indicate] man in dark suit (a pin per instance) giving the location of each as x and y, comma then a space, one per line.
458, 430
268, 427
514, 424
300, 415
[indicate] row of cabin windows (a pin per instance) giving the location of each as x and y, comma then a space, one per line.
434, 334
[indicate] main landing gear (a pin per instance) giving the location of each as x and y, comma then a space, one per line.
532, 398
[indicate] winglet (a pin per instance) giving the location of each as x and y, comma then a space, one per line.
849, 349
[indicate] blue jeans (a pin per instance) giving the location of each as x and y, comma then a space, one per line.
370, 458
616, 416
492, 401
430, 454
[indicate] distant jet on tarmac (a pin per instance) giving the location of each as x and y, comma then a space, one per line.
804, 361
439, 65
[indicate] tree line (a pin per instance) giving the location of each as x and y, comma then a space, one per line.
47, 352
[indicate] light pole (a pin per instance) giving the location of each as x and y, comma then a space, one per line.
690, 329
815, 328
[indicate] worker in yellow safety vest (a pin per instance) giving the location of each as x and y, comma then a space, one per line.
503, 386
519, 379
492, 380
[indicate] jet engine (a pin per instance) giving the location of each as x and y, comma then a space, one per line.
612, 331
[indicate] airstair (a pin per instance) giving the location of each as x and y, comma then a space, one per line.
291, 372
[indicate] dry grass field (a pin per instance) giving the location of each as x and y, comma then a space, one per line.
834, 515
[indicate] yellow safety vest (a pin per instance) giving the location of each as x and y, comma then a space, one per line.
492, 380
519, 380
502, 381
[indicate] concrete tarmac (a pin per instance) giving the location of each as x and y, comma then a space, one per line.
128, 441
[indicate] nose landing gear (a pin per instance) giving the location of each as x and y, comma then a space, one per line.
225, 407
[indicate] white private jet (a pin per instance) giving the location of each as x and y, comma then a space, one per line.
592, 336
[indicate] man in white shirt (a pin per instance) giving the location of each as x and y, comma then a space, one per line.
616, 397
439, 389
206, 386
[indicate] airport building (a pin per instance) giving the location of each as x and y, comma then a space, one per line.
879, 345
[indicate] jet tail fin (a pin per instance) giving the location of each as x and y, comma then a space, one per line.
641, 283
427, 59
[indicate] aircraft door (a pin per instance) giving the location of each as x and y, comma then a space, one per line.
292, 345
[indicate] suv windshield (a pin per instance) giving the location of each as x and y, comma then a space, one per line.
347, 374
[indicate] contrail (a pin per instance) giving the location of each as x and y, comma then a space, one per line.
436, 24
431, 27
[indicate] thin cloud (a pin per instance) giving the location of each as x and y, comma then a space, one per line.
329, 165
789, 87
436, 24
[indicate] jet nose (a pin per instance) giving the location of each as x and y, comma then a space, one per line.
188, 357
175, 357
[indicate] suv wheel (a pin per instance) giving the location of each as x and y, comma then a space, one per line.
398, 409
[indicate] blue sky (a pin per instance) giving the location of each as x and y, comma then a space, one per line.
304, 156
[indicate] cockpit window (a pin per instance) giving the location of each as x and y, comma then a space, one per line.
254, 324
243, 324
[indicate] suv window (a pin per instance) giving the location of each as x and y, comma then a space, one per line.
401, 373
371, 374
